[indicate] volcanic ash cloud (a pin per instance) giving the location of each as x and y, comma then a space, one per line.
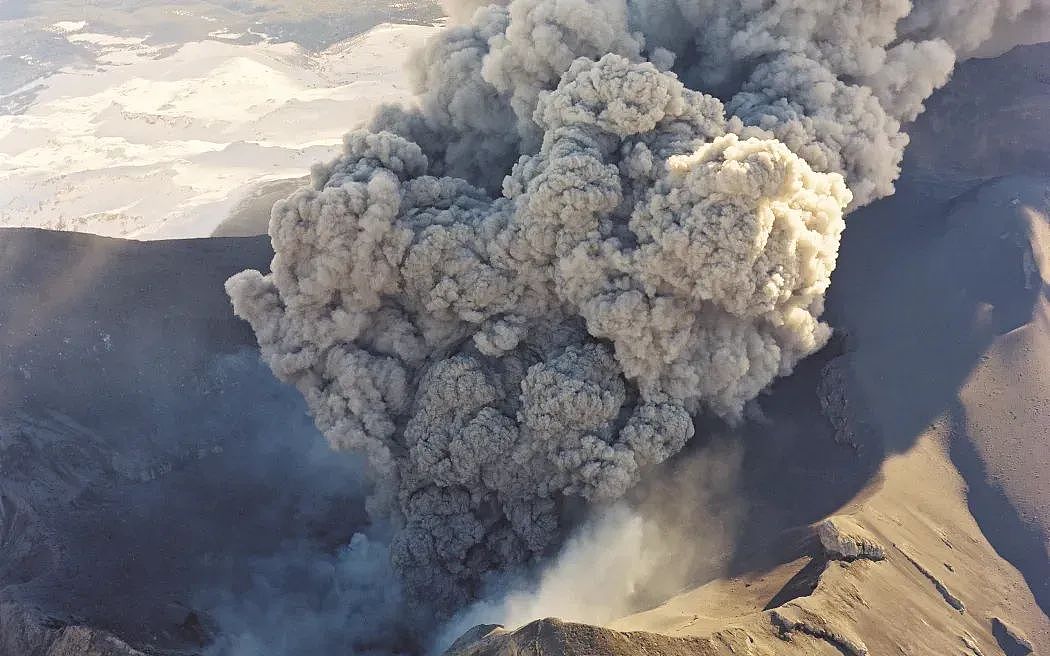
522, 291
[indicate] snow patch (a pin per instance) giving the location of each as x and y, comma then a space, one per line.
152, 146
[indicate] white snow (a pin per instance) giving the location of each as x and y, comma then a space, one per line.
226, 34
151, 145
69, 26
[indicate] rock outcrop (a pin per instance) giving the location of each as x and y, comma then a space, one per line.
844, 539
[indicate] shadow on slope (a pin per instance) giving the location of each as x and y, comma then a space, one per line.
928, 281
924, 297
154, 471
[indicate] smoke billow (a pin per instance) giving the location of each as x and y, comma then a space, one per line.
604, 217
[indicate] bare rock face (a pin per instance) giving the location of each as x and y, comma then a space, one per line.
78, 640
26, 632
791, 619
844, 539
949, 597
137, 494
473, 635
839, 405
552, 636
1010, 638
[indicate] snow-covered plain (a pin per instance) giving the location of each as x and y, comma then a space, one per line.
154, 141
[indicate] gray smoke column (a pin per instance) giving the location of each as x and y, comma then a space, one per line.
520, 292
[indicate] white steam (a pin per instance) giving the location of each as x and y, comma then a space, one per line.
594, 578
521, 292
676, 529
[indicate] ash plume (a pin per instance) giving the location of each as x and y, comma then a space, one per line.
603, 217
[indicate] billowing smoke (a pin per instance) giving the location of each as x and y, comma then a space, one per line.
603, 218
